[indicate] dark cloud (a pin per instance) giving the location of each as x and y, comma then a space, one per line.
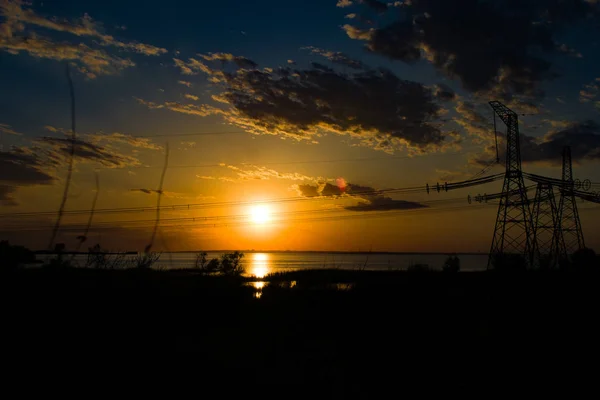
582, 137
6, 195
444, 93
485, 44
19, 168
60, 148
372, 105
19, 32
147, 191
385, 204
240, 61
370, 198
337, 57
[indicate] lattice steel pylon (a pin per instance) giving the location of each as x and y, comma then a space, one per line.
569, 222
513, 232
546, 227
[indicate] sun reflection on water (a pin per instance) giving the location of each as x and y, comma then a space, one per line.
260, 265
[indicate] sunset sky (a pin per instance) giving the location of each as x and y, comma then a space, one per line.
321, 107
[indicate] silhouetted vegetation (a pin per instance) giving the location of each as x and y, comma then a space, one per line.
584, 260
201, 260
452, 264
145, 260
98, 258
13, 257
229, 264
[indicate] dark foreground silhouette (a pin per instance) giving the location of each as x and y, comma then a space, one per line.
329, 334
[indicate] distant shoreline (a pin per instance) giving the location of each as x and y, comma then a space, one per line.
41, 252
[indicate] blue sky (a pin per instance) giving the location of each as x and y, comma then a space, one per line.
384, 82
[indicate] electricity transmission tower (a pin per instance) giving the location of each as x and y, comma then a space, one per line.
513, 233
547, 234
569, 222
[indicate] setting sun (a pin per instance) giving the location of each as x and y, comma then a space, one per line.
260, 214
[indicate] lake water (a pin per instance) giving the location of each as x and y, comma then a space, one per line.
261, 264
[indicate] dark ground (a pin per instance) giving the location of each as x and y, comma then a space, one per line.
393, 333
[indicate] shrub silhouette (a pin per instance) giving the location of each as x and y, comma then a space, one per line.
231, 264
59, 261
145, 260
452, 264
584, 260
99, 258
13, 257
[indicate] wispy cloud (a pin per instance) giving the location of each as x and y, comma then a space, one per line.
590, 91
19, 33
59, 150
4, 128
344, 3
202, 110
336, 57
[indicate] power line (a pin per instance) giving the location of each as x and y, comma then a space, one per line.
299, 162
190, 222
405, 190
240, 216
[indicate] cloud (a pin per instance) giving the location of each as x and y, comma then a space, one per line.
240, 61
385, 204
483, 44
443, 92
590, 91
356, 33
4, 128
344, 3
193, 67
303, 104
470, 118
336, 57
191, 97
116, 137
583, 138
59, 149
254, 172
21, 167
6, 196
370, 198
185, 83
202, 110
18, 33
563, 48
171, 195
